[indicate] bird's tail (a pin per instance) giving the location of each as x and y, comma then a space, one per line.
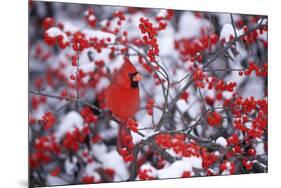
124, 140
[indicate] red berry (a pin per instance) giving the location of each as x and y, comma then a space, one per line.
72, 77
48, 22
252, 152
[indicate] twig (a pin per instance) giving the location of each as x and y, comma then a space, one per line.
223, 70
202, 100
233, 25
62, 107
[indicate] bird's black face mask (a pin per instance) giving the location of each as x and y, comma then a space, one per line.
134, 79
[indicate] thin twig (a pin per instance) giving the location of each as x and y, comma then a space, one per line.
233, 25
202, 100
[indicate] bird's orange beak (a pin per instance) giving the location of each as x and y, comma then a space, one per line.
137, 77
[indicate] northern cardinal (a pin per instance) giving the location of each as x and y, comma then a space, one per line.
122, 98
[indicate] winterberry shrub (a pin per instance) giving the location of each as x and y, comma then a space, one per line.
202, 109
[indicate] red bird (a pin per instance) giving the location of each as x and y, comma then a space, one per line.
122, 97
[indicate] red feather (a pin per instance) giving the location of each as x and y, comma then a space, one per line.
122, 97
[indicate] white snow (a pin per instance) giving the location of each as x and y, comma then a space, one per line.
162, 13
90, 170
70, 167
182, 105
248, 125
91, 17
166, 41
103, 23
54, 180
71, 120
99, 34
176, 169
226, 18
70, 27
254, 88
226, 31
222, 141
150, 170
227, 171
55, 32
190, 26
111, 160
259, 147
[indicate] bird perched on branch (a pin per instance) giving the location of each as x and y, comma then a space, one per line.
122, 98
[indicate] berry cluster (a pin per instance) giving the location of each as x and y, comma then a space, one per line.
162, 17
47, 144
45, 147
252, 37
121, 17
90, 18
74, 60
220, 85
165, 15
185, 96
87, 157
208, 158
252, 152
38, 159
97, 44
245, 108
233, 139
145, 174
132, 125
97, 138
73, 138
41, 53
227, 167
214, 118
178, 144
48, 23
247, 164
253, 67
56, 171
126, 147
101, 99
191, 49
48, 120
88, 115
38, 100
150, 38
186, 174
100, 63
79, 41
198, 77
110, 172
88, 179
149, 107
55, 36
